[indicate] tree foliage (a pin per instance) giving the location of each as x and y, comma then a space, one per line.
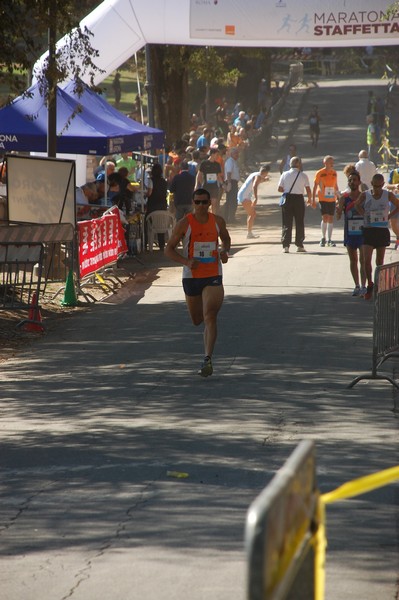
209, 65
24, 26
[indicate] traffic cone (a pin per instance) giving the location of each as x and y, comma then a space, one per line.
34, 317
70, 298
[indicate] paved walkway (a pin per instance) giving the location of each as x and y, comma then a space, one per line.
96, 416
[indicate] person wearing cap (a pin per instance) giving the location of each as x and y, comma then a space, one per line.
210, 178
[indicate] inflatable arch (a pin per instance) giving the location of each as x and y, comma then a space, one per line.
121, 27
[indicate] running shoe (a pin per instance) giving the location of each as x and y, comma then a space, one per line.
251, 236
206, 367
300, 249
286, 250
356, 291
331, 244
323, 242
369, 292
363, 291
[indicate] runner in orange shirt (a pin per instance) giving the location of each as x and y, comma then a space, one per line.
202, 267
326, 187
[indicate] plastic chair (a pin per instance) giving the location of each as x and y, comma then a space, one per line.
159, 221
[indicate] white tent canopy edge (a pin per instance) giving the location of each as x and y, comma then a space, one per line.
121, 27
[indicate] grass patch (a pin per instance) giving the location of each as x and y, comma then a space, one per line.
128, 85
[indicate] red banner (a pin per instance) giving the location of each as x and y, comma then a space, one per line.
100, 242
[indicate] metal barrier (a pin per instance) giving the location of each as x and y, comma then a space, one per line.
58, 242
385, 321
21, 268
285, 535
280, 529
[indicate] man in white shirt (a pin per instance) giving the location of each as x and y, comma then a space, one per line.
366, 168
292, 184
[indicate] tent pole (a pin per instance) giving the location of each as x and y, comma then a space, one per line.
139, 88
149, 86
142, 201
52, 83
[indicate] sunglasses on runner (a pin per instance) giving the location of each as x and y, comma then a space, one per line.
201, 202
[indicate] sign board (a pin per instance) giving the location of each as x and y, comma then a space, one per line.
40, 190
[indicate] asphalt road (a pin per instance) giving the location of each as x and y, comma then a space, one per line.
95, 417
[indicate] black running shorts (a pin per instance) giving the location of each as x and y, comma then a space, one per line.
377, 237
195, 286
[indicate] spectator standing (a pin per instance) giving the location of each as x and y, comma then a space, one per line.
285, 162
380, 113
241, 120
126, 191
205, 138
293, 183
314, 125
232, 177
263, 90
366, 168
393, 180
182, 188
326, 188
116, 85
210, 178
221, 118
233, 139
371, 104
157, 193
373, 138
193, 163
374, 204
393, 186
129, 163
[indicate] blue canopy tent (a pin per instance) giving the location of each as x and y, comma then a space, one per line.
86, 124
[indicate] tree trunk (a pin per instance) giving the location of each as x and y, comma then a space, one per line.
170, 78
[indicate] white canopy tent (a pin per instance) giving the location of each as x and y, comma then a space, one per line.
121, 27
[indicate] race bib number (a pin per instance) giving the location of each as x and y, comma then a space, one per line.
211, 177
377, 217
329, 192
205, 252
355, 226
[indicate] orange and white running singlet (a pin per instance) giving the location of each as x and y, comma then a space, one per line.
327, 180
201, 241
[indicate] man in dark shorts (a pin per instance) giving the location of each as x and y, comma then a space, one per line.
353, 232
202, 261
374, 205
326, 189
